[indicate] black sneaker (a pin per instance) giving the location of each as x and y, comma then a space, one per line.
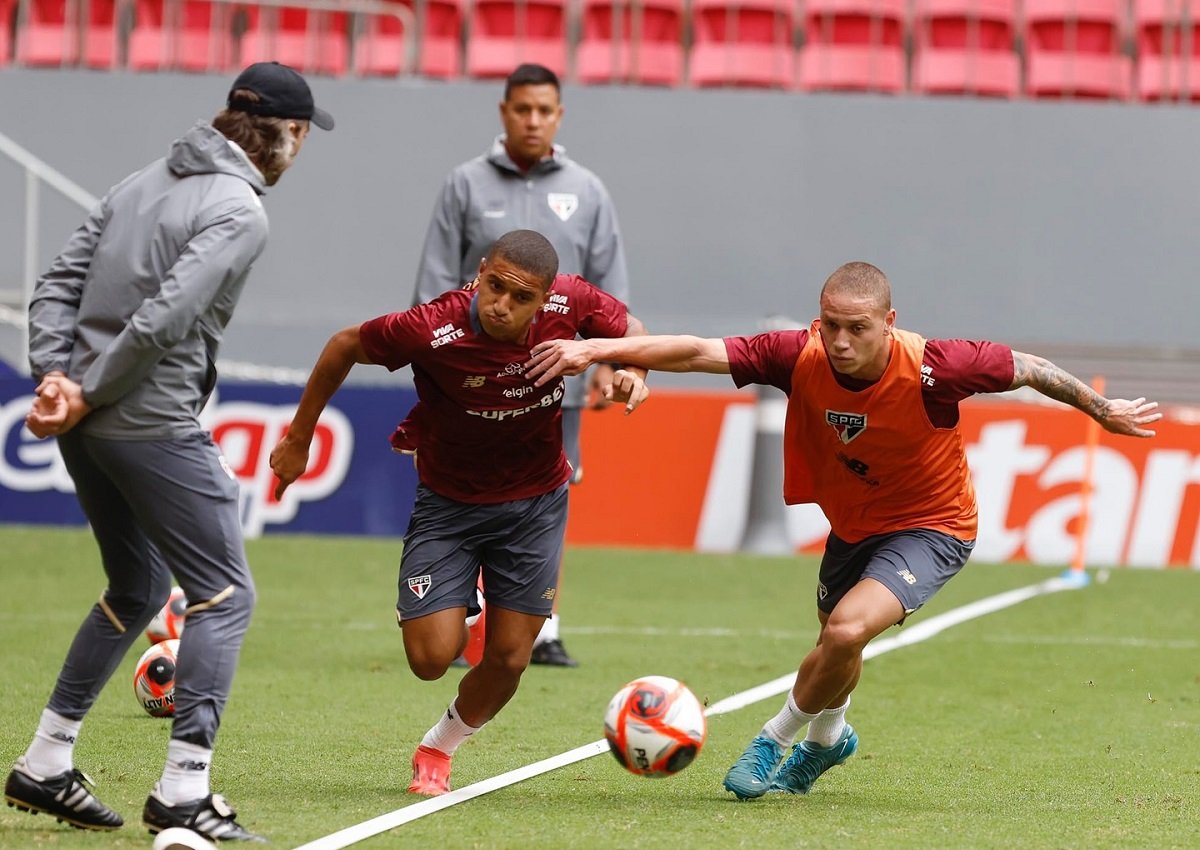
210, 816
65, 797
552, 653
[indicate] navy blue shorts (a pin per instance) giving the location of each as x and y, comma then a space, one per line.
517, 544
912, 564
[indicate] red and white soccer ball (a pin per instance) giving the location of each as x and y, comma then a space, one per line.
655, 726
168, 623
154, 679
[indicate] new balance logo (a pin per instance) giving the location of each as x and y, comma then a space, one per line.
63, 736
193, 765
549, 593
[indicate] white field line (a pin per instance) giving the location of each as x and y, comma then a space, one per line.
910, 635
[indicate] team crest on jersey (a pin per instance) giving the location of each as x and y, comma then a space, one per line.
420, 585
563, 204
847, 425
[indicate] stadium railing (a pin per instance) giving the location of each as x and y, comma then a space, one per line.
37, 174
334, 36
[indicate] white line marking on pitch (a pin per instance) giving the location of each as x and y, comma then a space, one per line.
910, 635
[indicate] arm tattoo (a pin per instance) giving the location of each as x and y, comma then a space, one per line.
1058, 384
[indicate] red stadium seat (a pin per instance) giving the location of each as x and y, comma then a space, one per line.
637, 41
1073, 49
743, 43
1167, 34
192, 35
101, 34
380, 42
505, 33
310, 40
853, 45
47, 32
966, 47
8, 21
441, 53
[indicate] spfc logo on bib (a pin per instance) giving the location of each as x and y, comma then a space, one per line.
847, 425
564, 204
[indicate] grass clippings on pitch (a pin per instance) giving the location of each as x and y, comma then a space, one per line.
1069, 721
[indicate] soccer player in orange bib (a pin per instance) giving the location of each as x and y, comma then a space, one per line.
871, 435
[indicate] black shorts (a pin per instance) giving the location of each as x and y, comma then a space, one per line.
517, 544
912, 564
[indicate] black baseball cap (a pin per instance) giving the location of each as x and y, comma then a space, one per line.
282, 93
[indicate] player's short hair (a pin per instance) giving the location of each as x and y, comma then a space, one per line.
530, 74
527, 250
860, 280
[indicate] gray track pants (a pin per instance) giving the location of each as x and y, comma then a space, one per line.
157, 509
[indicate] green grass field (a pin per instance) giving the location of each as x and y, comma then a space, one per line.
1068, 721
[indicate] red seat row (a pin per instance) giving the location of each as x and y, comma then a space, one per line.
1067, 48
197, 35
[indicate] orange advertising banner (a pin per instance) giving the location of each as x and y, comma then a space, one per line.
680, 472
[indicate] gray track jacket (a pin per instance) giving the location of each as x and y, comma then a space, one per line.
134, 307
488, 196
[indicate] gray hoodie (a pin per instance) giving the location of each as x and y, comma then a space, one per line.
134, 307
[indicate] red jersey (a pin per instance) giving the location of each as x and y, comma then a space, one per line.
878, 456
486, 434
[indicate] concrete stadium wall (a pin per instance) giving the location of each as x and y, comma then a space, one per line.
1033, 223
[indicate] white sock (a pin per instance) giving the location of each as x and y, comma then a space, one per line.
449, 732
185, 774
828, 725
52, 749
549, 631
786, 725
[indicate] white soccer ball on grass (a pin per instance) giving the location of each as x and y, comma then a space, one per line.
655, 726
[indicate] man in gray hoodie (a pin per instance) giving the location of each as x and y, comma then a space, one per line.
124, 330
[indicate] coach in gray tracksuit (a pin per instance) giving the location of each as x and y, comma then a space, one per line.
124, 332
525, 181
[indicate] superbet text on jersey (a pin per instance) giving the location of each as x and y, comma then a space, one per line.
484, 432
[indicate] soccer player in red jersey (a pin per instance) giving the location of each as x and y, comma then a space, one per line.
871, 435
493, 474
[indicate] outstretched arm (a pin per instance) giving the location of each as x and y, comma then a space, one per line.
625, 385
289, 458
664, 353
1117, 415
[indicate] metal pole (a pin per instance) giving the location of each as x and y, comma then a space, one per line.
32, 192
